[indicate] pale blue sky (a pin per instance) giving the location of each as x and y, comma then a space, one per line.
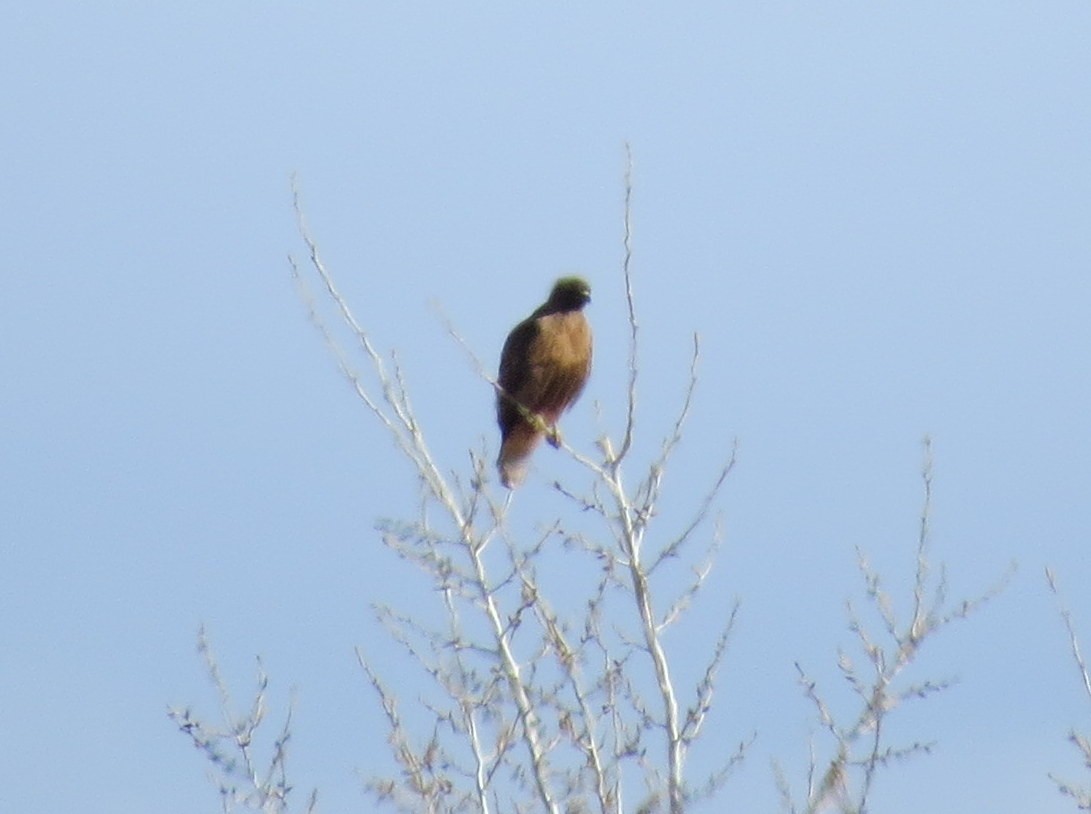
875, 215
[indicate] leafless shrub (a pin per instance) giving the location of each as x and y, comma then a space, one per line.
859, 745
245, 781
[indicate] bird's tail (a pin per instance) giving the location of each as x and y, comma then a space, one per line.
515, 453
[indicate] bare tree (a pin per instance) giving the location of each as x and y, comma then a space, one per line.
859, 745
553, 683
1080, 794
542, 701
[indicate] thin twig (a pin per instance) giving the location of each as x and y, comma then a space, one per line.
630, 413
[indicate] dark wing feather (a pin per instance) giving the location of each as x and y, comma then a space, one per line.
515, 371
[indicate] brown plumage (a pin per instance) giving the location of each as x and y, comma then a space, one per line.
544, 365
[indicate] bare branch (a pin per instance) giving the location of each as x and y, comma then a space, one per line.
647, 494
229, 748
859, 748
630, 416
1082, 795
672, 548
1073, 641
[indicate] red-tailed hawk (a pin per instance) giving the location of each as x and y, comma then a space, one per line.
544, 365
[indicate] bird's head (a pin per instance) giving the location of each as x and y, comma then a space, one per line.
570, 294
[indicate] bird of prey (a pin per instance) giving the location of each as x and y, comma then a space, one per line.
544, 365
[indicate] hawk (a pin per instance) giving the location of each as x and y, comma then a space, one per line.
544, 365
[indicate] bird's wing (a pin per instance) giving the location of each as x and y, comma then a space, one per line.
515, 357
517, 370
